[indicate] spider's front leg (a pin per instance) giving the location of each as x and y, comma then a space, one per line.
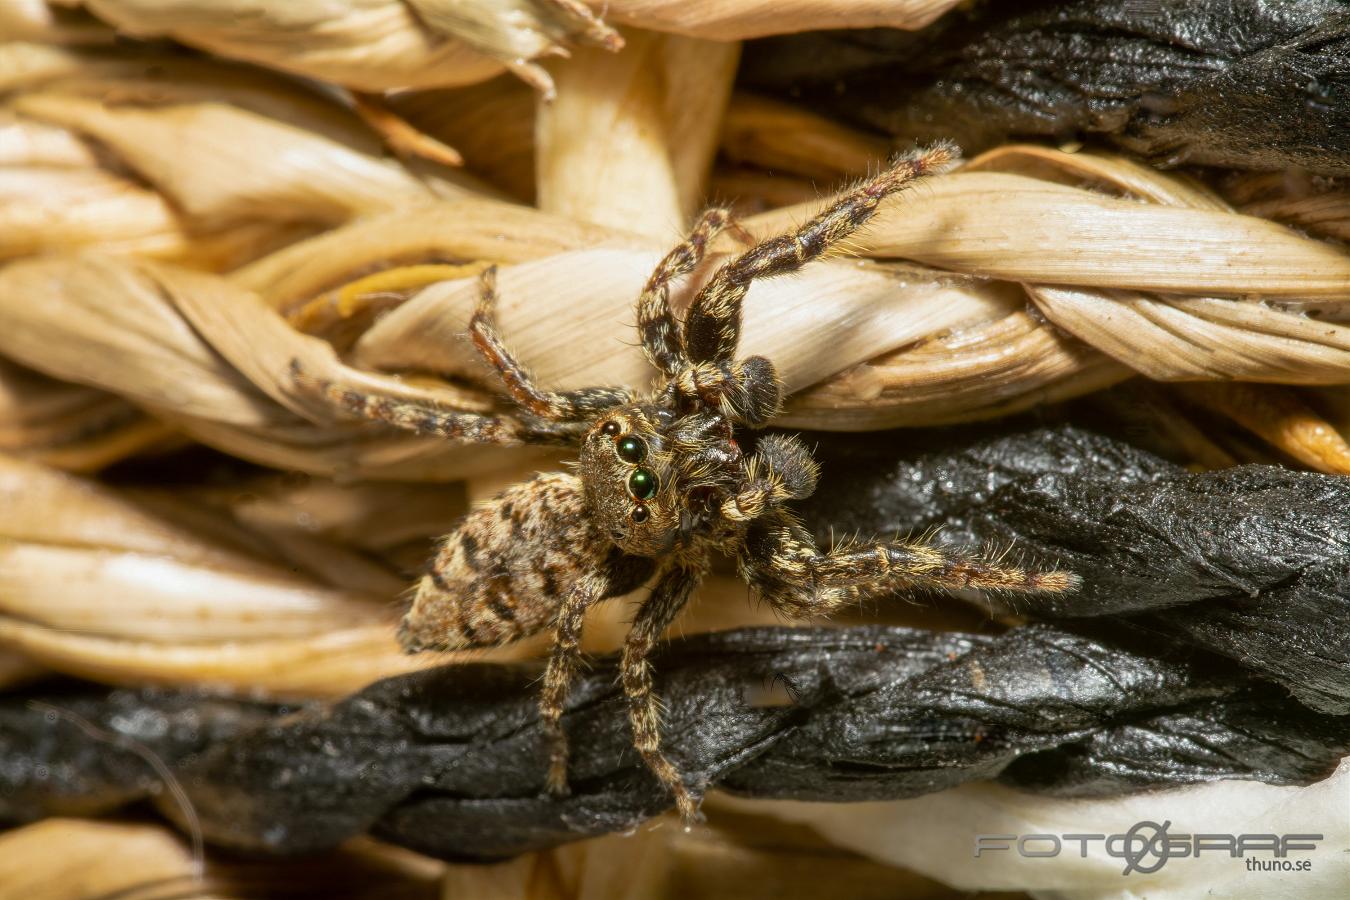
569, 407
419, 418
712, 329
781, 561
657, 327
666, 599
552, 417
669, 596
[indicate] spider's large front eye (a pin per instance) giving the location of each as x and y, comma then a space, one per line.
643, 483
630, 449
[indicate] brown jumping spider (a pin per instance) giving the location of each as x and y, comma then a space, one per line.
662, 484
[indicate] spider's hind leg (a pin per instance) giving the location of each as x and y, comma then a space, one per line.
562, 665
669, 596
781, 561
618, 574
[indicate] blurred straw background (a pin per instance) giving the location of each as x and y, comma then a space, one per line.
244, 183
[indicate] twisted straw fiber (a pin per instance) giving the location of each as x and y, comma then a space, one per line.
175, 229
383, 44
208, 353
178, 230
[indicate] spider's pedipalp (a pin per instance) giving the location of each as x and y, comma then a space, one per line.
787, 458
781, 470
745, 391
712, 329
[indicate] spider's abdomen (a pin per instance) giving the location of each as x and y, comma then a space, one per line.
501, 575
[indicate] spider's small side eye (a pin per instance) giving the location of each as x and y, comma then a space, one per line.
643, 484
630, 449
610, 428
640, 514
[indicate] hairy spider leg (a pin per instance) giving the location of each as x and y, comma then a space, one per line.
782, 562
712, 329
409, 415
563, 662
657, 327
655, 615
564, 406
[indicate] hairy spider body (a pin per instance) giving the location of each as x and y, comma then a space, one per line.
481, 588
662, 485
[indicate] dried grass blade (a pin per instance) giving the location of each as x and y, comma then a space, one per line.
214, 359
622, 145
329, 664
79, 557
727, 20
781, 137
1282, 417
1026, 229
858, 311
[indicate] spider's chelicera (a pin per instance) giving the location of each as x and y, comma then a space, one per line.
662, 485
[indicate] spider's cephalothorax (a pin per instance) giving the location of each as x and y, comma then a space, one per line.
662, 484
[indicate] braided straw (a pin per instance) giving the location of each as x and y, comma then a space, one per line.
177, 230
376, 45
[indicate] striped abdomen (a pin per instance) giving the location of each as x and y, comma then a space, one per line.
502, 574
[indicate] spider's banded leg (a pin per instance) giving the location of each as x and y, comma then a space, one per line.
420, 418
562, 666
657, 327
563, 406
783, 564
713, 327
644, 708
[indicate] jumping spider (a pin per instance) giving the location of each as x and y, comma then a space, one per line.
661, 485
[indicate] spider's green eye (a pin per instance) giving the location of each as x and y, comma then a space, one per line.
610, 428
631, 449
642, 484
640, 514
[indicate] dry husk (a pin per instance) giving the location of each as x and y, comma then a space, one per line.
176, 229
131, 589
376, 45
75, 859
51, 21
371, 45
622, 145
237, 161
738, 856
225, 379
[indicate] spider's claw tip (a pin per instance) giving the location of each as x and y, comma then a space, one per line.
558, 787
